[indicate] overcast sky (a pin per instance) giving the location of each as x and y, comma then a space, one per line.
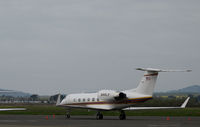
51, 46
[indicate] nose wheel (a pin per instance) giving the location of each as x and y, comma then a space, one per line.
67, 115
99, 116
122, 115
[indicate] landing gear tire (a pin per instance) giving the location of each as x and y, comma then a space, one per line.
67, 116
122, 116
99, 116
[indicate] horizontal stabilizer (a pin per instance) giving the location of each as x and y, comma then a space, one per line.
143, 108
160, 70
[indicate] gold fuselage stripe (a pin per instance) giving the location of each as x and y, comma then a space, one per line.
128, 101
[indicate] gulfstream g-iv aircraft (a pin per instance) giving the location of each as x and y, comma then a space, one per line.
106, 100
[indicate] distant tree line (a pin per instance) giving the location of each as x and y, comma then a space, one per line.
34, 98
156, 101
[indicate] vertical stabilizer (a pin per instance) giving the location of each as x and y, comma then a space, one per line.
147, 84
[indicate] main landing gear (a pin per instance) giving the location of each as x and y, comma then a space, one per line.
99, 116
122, 115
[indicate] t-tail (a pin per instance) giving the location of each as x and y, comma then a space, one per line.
147, 84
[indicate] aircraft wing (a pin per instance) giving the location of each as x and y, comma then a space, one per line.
12, 109
143, 108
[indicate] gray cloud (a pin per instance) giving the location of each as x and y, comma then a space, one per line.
70, 46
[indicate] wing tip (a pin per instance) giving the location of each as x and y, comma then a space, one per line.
185, 102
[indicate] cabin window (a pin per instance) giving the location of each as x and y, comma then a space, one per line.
83, 99
93, 99
97, 99
88, 99
74, 100
79, 100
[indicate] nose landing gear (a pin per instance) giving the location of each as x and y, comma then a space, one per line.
67, 115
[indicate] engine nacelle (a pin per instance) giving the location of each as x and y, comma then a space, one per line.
111, 95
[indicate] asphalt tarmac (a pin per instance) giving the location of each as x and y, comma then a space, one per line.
90, 121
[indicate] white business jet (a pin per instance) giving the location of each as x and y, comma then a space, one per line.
106, 100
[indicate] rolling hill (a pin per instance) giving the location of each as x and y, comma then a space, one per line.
189, 89
13, 93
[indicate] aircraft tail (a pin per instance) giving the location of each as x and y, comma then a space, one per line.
147, 84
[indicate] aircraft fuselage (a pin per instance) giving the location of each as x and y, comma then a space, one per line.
93, 101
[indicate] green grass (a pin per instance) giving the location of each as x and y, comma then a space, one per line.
38, 109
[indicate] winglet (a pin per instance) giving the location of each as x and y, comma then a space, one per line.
185, 103
58, 100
